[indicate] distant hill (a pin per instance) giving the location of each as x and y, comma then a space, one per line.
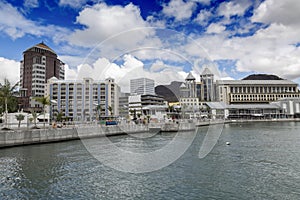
262, 77
169, 92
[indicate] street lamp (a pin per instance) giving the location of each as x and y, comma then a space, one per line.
52, 102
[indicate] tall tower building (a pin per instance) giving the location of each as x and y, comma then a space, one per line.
142, 86
191, 85
39, 64
207, 90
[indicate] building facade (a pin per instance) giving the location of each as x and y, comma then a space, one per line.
255, 91
142, 86
83, 100
39, 64
207, 85
138, 104
123, 104
290, 107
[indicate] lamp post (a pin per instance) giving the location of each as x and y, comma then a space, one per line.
52, 102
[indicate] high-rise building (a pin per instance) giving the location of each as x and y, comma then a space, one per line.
39, 64
142, 86
83, 100
208, 87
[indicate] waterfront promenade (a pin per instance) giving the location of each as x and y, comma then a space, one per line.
17, 137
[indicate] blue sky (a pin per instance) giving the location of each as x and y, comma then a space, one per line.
160, 39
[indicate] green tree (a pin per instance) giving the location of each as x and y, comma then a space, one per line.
45, 101
20, 118
59, 117
8, 99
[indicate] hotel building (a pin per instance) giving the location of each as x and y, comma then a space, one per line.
79, 100
39, 64
255, 91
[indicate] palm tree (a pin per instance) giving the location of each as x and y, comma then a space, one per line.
8, 99
59, 117
20, 118
34, 117
45, 101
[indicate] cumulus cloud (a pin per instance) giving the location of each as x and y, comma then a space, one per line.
215, 28
203, 17
281, 12
179, 9
130, 68
15, 25
205, 2
72, 3
232, 8
10, 69
103, 21
271, 49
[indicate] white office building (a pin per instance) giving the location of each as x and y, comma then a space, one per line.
83, 100
142, 86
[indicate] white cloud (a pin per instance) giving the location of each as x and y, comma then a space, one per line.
15, 25
205, 2
103, 21
10, 69
232, 8
267, 51
72, 3
270, 50
71, 73
203, 17
130, 69
281, 12
31, 3
179, 9
215, 28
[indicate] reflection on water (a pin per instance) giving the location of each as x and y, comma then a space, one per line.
262, 162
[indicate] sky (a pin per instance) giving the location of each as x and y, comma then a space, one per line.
159, 39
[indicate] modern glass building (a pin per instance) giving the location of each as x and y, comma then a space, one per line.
142, 86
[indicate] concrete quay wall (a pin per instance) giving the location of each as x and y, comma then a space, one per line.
34, 136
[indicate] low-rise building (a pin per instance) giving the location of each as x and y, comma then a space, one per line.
255, 91
290, 107
138, 104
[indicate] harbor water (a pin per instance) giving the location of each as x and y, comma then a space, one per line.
261, 162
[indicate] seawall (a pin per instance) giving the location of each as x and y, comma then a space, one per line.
35, 136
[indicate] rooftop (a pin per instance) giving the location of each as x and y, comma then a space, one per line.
42, 45
190, 77
222, 105
252, 106
255, 82
206, 71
